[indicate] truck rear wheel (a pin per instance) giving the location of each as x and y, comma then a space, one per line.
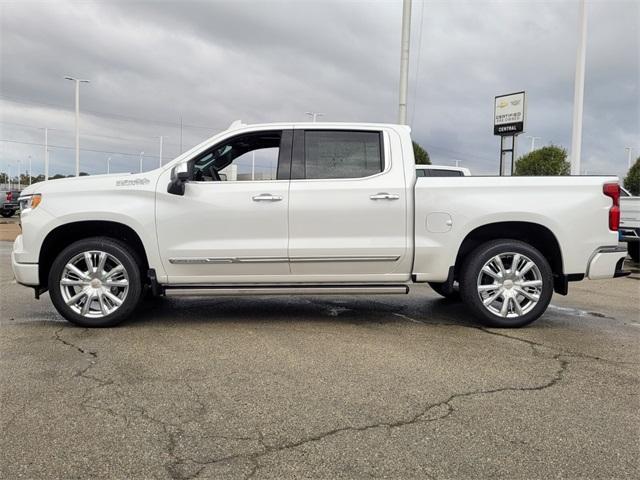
507, 283
95, 282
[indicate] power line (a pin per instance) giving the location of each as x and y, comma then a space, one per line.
107, 114
137, 139
82, 149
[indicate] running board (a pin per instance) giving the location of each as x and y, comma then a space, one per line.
234, 290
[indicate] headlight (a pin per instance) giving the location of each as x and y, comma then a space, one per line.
29, 201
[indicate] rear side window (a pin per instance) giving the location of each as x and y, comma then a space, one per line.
420, 172
340, 154
444, 173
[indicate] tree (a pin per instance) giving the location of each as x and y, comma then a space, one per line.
632, 180
550, 160
421, 155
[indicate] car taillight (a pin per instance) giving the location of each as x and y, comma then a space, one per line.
612, 190
9, 196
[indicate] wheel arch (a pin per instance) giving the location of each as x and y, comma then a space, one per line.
538, 236
63, 235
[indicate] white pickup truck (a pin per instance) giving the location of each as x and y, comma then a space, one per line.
322, 208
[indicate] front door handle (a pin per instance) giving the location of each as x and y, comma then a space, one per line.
384, 196
266, 197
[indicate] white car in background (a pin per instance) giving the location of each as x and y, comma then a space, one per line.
441, 171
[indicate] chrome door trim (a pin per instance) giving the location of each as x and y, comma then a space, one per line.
346, 258
339, 258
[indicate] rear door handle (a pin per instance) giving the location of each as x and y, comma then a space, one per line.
266, 197
384, 196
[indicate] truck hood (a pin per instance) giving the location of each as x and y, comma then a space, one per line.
94, 183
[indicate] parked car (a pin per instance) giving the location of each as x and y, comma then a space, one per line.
9, 203
344, 215
630, 223
441, 171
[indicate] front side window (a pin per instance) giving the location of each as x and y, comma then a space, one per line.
342, 154
252, 156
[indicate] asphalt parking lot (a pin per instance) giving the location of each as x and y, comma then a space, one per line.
322, 387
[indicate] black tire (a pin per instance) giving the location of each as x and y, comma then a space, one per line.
445, 290
634, 251
7, 213
119, 251
471, 271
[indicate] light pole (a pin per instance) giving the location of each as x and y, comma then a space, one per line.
314, 115
46, 153
9, 176
141, 156
404, 61
109, 164
628, 149
578, 92
533, 142
30, 174
77, 82
19, 180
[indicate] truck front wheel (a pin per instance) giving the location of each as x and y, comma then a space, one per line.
506, 283
7, 213
95, 282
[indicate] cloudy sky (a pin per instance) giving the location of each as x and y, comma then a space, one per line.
153, 64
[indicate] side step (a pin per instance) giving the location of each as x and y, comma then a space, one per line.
234, 290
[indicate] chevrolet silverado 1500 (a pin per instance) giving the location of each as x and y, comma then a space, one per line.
322, 208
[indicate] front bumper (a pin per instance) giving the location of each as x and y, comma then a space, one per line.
606, 262
25, 273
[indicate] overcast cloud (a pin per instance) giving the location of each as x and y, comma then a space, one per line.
211, 62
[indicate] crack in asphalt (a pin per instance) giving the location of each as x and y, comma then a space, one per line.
174, 431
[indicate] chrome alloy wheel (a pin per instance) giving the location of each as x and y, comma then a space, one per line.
94, 284
510, 285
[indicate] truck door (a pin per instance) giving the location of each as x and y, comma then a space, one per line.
231, 223
347, 207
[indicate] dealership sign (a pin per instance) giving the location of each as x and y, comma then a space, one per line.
508, 114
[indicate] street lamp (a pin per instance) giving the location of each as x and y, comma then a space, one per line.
141, 156
19, 180
533, 142
30, 174
77, 82
314, 115
108, 164
628, 149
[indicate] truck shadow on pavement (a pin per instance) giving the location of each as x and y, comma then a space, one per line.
268, 310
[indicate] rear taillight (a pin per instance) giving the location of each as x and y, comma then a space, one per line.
612, 190
9, 196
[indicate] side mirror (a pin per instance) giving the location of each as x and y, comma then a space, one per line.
177, 184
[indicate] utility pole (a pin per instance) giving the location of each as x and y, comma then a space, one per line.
533, 142
404, 61
578, 92
314, 115
181, 134
46, 153
253, 164
628, 149
160, 154
141, 156
77, 82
